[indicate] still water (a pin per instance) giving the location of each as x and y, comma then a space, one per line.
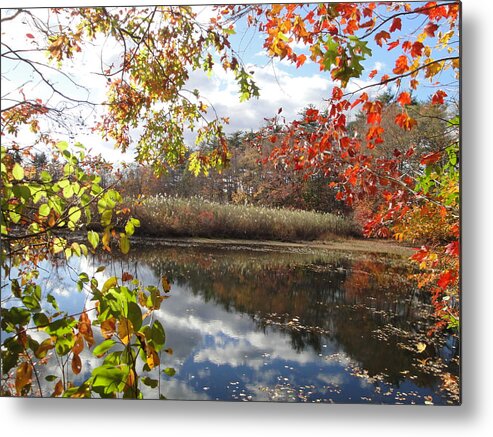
287, 325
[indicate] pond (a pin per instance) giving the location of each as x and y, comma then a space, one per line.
285, 324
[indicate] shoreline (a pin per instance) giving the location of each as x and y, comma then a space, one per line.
343, 244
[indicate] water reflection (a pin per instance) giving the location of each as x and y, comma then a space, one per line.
273, 325
263, 325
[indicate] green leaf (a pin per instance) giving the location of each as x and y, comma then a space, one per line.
74, 214
110, 283
169, 371
109, 379
103, 347
40, 319
68, 192
149, 382
45, 176
44, 210
124, 244
18, 172
158, 335
64, 344
62, 146
129, 228
51, 378
134, 314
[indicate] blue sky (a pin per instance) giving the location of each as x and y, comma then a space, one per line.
281, 83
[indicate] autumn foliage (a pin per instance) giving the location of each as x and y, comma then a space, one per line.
418, 205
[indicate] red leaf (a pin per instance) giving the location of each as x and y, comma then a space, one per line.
430, 29
396, 24
383, 35
430, 158
417, 49
452, 249
446, 278
392, 45
30, 35
372, 74
404, 99
337, 93
438, 97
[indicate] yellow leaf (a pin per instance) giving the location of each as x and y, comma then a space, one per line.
421, 347
152, 357
23, 376
78, 345
125, 330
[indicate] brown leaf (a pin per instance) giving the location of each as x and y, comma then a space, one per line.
58, 389
108, 328
78, 345
85, 329
23, 376
76, 364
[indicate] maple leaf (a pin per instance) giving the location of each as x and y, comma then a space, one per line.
405, 121
417, 49
430, 29
392, 45
300, 60
438, 97
401, 65
404, 99
396, 24
383, 35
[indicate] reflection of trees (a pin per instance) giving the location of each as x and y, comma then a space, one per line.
331, 298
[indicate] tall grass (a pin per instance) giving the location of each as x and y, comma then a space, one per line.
196, 217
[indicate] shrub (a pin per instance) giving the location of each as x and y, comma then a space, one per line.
196, 217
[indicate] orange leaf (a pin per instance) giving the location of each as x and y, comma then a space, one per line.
417, 49
300, 60
152, 357
404, 99
78, 345
401, 65
85, 329
372, 74
405, 121
126, 277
